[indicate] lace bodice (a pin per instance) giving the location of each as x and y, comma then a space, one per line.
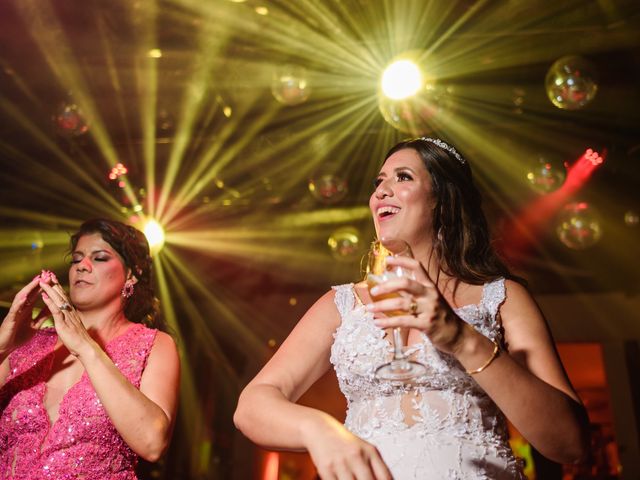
82, 442
441, 426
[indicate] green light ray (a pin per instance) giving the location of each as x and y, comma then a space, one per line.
20, 266
188, 390
350, 116
260, 255
288, 35
291, 226
20, 237
334, 46
19, 81
41, 20
224, 314
195, 319
115, 82
191, 106
39, 218
200, 176
69, 162
147, 79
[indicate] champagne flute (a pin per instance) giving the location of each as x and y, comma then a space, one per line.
400, 368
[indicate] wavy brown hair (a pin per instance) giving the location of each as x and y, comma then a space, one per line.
461, 240
132, 246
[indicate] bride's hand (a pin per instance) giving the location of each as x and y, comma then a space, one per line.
340, 455
426, 308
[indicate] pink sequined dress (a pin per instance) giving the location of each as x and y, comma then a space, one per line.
82, 443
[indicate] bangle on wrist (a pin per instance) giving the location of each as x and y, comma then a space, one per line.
494, 355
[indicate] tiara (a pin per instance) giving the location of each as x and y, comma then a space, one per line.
445, 146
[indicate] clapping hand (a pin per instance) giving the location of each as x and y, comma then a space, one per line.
67, 322
19, 325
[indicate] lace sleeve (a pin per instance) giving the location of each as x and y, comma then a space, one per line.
344, 299
494, 296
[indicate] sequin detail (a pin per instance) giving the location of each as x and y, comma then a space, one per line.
82, 442
441, 427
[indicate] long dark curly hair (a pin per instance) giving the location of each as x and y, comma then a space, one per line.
132, 246
461, 240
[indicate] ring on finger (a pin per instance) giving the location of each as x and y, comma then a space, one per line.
65, 306
413, 307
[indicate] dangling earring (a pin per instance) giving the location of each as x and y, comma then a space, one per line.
127, 289
440, 235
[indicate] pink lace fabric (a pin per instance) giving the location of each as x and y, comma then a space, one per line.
82, 443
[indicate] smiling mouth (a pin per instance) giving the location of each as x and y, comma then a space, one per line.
387, 212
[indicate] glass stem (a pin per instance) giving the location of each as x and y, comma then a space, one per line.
397, 344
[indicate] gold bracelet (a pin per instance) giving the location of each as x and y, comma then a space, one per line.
494, 355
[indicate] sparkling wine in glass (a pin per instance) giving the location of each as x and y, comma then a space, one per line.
400, 368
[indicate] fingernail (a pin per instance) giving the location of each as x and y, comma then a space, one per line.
374, 291
45, 296
369, 306
378, 322
53, 277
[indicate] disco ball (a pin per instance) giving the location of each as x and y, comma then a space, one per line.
546, 173
631, 218
344, 243
290, 85
578, 226
70, 121
164, 120
518, 98
571, 82
328, 188
418, 114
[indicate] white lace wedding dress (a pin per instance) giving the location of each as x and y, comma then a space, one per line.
442, 427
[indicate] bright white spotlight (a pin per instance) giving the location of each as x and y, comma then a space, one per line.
401, 79
155, 235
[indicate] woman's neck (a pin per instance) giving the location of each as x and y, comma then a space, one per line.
104, 324
423, 252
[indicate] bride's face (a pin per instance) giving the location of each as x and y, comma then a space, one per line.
402, 203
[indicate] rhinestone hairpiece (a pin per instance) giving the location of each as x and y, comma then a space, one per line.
445, 146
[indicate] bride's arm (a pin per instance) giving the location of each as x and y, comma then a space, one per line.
268, 415
529, 384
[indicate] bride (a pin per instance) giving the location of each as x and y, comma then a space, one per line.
486, 347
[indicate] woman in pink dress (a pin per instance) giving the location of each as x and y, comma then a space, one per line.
88, 396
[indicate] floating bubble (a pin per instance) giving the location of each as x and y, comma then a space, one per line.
546, 173
290, 85
70, 121
328, 188
578, 226
344, 243
571, 82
